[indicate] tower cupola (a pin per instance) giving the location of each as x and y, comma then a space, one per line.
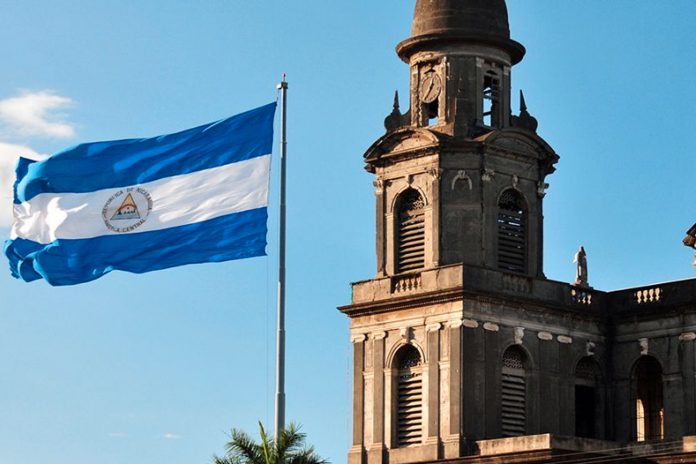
483, 22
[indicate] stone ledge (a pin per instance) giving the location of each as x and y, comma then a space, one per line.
545, 442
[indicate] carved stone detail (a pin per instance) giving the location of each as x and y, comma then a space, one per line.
359, 338
491, 327
379, 184
462, 175
546, 336
470, 323
564, 339
687, 337
433, 327
590, 348
488, 175
436, 173
644, 346
519, 334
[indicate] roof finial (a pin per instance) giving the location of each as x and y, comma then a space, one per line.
524, 120
523, 104
395, 118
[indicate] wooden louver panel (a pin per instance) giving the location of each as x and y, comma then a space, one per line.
411, 232
514, 408
512, 234
409, 415
513, 394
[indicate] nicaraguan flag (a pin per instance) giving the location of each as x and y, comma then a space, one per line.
139, 205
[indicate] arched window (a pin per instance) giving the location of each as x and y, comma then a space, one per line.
409, 397
410, 243
647, 400
586, 398
512, 232
514, 393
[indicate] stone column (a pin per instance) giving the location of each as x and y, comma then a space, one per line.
436, 174
453, 440
673, 389
355, 454
624, 414
689, 382
433, 331
493, 380
381, 239
376, 449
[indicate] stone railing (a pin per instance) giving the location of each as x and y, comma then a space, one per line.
407, 283
649, 295
581, 296
653, 297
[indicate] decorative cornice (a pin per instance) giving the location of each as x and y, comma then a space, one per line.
410, 301
433, 327
359, 338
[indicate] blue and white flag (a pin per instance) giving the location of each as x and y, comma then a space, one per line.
140, 205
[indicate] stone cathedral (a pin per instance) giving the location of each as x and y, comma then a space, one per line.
462, 349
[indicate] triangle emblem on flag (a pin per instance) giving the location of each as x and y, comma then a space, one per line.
127, 210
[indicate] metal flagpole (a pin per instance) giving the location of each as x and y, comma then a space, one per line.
280, 340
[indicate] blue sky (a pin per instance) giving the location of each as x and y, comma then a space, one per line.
158, 367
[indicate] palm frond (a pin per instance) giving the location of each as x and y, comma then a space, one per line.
243, 449
290, 440
307, 456
267, 445
219, 460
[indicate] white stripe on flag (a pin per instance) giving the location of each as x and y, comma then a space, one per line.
176, 201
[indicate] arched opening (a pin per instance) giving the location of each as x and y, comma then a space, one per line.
512, 232
514, 393
410, 231
491, 99
648, 405
409, 397
587, 398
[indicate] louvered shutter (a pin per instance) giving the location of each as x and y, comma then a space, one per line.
411, 232
409, 407
514, 394
512, 233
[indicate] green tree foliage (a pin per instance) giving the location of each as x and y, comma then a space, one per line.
290, 448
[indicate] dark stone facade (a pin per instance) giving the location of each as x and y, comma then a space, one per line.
505, 365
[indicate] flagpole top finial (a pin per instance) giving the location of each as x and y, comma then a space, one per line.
283, 83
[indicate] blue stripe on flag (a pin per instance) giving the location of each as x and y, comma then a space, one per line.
95, 166
69, 262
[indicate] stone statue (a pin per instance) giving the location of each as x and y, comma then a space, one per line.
581, 271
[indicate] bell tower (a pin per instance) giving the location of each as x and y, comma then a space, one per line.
460, 55
459, 187
475, 172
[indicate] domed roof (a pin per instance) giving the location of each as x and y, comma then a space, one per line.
471, 17
479, 21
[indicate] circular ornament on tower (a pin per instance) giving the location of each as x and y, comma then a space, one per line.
430, 88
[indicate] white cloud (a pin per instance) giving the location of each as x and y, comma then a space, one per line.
8, 161
35, 113
171, 436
